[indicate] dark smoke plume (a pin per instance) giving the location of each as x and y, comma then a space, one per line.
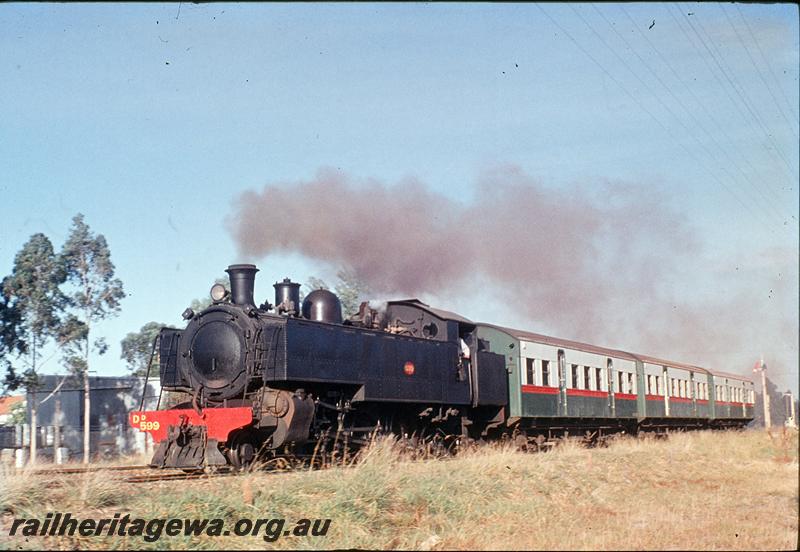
610, 264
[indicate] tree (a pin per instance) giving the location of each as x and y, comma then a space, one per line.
202, 303
17, 415
37, 301
96, 295
350, 290
11, 342
137, 346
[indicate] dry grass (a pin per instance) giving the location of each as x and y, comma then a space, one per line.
705, 490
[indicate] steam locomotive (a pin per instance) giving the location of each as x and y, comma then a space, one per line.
294, 377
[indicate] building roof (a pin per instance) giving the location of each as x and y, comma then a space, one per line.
7, 403
48, 383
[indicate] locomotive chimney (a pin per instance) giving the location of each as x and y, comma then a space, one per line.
243, 278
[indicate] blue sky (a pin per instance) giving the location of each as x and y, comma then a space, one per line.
151, 119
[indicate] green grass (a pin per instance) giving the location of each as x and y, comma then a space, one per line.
704, 490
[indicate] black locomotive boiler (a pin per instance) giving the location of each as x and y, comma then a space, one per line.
292, 378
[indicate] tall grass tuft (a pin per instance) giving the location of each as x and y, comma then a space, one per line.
735, 490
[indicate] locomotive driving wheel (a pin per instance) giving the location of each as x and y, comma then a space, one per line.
242, 451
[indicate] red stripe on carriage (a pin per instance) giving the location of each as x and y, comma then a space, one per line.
540, 389
586, 393
219, 421
680, 399
625, 396
654, 398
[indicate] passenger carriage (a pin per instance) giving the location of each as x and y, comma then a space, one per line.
569, 386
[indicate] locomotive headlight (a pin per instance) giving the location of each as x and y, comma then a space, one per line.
218, 292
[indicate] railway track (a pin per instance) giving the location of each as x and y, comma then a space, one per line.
155, 477
71, 471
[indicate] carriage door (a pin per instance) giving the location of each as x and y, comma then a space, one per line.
562, 383
612, 403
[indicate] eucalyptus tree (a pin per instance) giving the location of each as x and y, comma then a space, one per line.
35, 299
137, 346
202, 303
95, 294
11, 342
350, 290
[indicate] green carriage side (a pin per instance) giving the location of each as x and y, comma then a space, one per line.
551, 378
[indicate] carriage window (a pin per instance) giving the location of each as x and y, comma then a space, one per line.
631, 384
586, 378
529, 371
546, 372
598, 374
681, 388
659, 391
620, 375
575, 382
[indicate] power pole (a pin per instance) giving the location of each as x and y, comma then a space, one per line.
761, 367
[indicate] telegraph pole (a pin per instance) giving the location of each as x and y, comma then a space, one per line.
761, 367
